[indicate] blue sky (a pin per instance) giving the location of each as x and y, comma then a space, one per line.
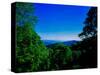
59, 22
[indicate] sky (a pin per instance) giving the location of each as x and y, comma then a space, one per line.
59, 22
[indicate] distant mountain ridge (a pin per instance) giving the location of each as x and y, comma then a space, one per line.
48, 42
68, 43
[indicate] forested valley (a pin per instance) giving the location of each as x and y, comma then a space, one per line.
33, 55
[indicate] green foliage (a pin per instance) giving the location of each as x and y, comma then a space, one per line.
68, 54
77, 53
25, 13
31, 53
76, 66
60, 56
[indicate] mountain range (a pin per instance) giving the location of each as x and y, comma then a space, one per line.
68, 43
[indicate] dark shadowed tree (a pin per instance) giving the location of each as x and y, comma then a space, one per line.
88, 45
90, 28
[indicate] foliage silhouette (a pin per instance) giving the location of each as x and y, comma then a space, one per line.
90, 29
88, 45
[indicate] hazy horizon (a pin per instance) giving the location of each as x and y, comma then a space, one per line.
59, 40
59, 37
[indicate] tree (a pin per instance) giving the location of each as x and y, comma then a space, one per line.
60, 56
25, 13
31, 53
90, 29
88, 45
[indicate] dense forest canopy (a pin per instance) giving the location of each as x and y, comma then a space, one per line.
25, 13
31, 53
